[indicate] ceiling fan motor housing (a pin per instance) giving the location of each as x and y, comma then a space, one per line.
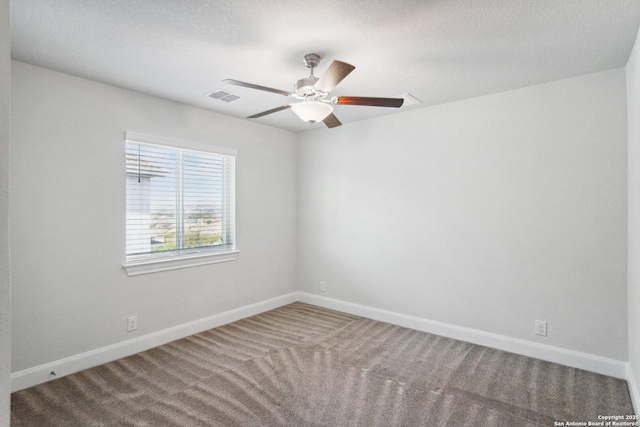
306, 87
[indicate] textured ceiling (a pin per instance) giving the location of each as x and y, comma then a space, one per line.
437, 50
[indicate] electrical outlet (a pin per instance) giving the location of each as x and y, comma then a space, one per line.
322, 287
132, 323
541, 328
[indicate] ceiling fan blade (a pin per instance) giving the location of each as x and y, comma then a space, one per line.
331, 121
273, 110
258, 87
336, 72
371, 102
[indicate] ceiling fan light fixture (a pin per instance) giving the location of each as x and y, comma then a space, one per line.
312, 111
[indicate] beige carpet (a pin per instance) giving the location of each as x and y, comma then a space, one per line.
301, 365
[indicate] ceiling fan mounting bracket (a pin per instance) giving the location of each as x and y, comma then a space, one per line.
311, 60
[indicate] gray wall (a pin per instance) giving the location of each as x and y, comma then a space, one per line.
5, 282
71, 294
487, 213
633, 117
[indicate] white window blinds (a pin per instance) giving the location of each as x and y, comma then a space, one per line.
179, 201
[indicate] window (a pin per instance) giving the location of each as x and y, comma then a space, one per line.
180, 204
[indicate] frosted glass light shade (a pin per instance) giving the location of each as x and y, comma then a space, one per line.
312, 111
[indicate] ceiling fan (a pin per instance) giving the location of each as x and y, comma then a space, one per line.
313, 93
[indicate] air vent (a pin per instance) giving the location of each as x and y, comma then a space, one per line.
223, 95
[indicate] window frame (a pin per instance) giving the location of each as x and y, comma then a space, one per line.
152, 263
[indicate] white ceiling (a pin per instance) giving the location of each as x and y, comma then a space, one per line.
437, 50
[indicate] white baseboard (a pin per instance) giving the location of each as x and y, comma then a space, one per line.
40, 374
576, 359
633, 389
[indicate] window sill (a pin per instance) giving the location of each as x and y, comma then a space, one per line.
146, 266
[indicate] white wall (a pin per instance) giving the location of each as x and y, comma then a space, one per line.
5, 282
487, 213
633, 302
70, 293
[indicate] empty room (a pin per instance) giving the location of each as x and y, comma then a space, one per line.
341, 213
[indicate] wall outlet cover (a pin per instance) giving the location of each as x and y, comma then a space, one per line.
132, 323
541, 328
